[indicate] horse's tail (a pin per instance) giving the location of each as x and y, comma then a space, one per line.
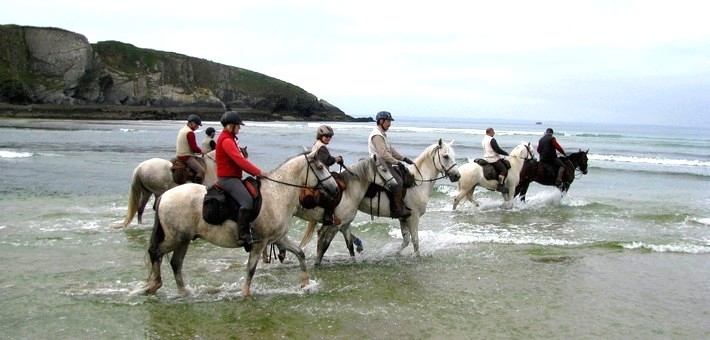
308, 234
158, 234
135, 195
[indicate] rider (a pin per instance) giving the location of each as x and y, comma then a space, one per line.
208, 144
230, 164
546, 148
380, 147
323, 137
186, 147
491, 153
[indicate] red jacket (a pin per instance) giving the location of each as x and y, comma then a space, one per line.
230, 161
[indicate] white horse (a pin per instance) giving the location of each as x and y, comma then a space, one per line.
178, 220
437, 159
472, 176
152, 178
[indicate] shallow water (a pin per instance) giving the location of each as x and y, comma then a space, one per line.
623, 254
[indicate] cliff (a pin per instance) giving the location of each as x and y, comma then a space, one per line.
54, 73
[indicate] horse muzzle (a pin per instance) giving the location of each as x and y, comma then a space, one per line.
454, 177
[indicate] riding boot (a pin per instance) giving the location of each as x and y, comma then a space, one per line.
399, 210
197, 179
560, 174
243, 229
501, 186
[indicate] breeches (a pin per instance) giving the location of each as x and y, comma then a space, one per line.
236, 189
195, 166
397, 179
500, 168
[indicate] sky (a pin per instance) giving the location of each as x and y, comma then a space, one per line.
618, 61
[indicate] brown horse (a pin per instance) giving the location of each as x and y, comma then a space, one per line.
535, 171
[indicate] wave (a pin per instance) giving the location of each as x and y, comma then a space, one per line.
668, 248
15, 154
649, 160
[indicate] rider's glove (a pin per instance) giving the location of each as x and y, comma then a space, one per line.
407, 160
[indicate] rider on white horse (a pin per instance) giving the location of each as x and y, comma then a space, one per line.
208, 144
491, 153
323, 138
186, 147
230, 164
387, 156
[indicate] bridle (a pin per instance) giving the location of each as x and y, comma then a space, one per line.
442, 170
319, 184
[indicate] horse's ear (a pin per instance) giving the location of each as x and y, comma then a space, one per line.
305, 149
440, 142
587, 151
451, 142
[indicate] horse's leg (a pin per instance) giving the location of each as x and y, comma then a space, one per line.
145, 197
254, 255
176, 265
325, 236
462, 193
471, 198
404, 227
291, 246
523, 190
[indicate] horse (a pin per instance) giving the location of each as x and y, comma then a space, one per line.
178, 220
472, 175
438, 158
152, 178
534, 171
358, 178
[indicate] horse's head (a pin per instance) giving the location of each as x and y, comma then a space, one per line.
323, 179
444, 160
579, 159
523, 151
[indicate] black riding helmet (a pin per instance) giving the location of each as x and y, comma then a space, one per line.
194, 119
210, 130
231, 117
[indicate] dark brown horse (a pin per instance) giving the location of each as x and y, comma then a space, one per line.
535, 171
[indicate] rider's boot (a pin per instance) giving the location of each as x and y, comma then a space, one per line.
399, 210
329, 217
560, 174
501, 186
243, 229
198, 179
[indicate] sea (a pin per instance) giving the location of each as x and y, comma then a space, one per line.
624, 254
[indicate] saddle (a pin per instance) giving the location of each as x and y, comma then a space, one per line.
311, 197
218, 206
489, 171
182, 173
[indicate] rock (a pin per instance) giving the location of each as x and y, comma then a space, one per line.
58, 70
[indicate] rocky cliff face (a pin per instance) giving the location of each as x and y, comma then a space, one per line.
55, 66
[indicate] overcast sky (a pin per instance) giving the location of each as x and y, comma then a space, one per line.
580, 61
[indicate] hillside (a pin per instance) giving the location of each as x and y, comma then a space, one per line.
55, 73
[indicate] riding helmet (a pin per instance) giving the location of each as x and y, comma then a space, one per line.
194, 119
384, 115
231, 117
209, 131
549, 130
324, 130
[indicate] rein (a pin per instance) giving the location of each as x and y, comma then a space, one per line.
304, 186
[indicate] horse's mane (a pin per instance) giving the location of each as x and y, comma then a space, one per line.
289, 159
360, 167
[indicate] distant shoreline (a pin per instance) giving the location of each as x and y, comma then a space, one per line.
124, 112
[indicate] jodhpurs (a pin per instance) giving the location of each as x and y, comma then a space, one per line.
236, 189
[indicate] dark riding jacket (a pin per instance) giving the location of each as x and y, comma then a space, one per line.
546, 147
